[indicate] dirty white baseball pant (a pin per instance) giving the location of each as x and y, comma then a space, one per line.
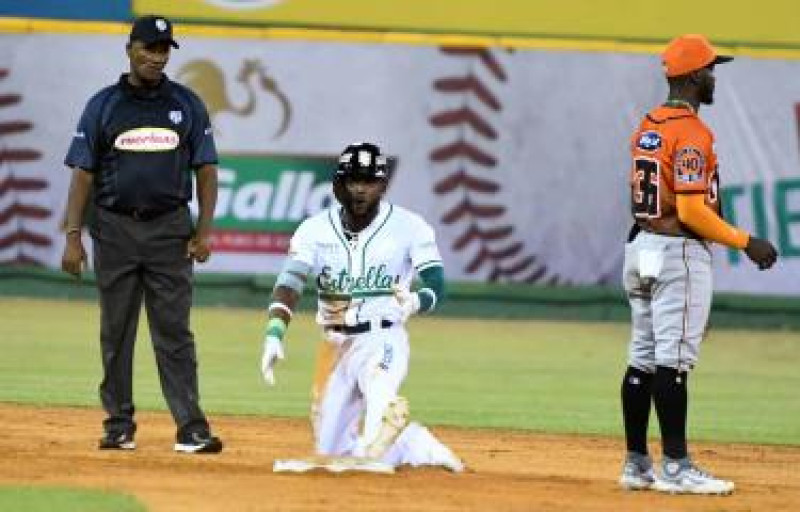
357, 376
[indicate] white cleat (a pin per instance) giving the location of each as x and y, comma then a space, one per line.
417, 446
683, 477
637, 476
441, 455
453, 463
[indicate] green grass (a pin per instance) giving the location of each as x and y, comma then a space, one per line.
533, 375
48, 499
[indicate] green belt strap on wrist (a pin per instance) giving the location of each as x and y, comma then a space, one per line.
276, 327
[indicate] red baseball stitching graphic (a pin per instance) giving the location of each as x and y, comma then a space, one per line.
797, 117
495, 249
16, 212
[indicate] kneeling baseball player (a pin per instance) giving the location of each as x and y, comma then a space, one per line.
362, 253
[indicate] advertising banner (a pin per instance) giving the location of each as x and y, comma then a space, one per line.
773, 24
74, 9
263, 198
519, 159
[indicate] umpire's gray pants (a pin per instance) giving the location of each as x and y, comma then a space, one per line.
146, 259
669, 312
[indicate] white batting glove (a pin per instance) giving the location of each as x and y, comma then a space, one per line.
408, 300
273, 351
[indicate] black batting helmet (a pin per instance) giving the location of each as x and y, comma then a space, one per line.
363, 160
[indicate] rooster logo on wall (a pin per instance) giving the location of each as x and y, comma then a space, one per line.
206, 79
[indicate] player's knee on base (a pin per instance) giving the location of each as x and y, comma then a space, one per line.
395, 419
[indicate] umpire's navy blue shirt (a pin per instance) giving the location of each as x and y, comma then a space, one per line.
141, 144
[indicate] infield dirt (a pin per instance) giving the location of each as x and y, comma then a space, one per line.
508, 470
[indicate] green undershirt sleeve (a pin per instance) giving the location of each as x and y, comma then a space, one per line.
432, 291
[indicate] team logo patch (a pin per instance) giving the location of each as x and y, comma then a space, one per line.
690, 165
365, 158
176, 116
673, 467
388, 355
161, 24
147, 140
649, 141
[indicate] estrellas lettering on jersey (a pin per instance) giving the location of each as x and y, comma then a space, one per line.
340, 292
355, 281
339, 284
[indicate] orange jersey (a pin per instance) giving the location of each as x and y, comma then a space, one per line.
673, 153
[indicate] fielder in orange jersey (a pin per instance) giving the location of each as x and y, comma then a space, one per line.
667, 273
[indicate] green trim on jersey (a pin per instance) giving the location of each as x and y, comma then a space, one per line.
432, 279
360, 294
364, 249
342, 240
427, 264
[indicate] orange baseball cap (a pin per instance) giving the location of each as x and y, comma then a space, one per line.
688, 53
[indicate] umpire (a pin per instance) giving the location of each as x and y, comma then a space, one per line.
133, 152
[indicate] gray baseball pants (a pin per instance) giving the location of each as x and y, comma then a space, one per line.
669, 310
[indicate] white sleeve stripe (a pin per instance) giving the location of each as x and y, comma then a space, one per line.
281, 306
429, 264
432, 294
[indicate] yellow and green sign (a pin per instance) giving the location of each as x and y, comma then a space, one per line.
768, 23
263, 198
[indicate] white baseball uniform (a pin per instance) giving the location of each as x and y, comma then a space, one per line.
364, 355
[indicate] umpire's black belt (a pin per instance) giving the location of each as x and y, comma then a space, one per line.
358, 328
141, 214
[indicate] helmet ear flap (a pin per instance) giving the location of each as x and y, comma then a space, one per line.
339, 190
381, 166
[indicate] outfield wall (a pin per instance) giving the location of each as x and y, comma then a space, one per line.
68, 9
518, 158
470, 300
770, 25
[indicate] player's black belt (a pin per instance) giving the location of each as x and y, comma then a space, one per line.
358, 328
141, 214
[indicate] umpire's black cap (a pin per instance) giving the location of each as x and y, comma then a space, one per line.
152, 29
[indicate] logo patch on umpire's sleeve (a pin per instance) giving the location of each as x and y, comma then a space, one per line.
649, 141
690, 165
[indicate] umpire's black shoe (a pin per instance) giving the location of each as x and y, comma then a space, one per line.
117, 440
197, 442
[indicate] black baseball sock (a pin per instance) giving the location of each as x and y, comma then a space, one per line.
637, 391
670, 397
